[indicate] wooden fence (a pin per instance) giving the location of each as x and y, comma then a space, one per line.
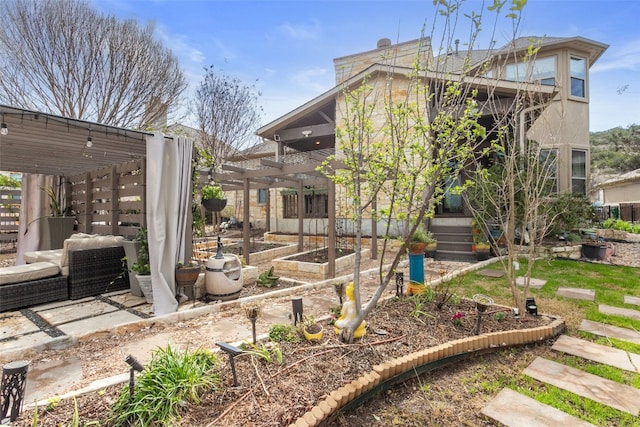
110, 200
9, 214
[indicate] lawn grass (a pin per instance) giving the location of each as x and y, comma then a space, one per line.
611, 284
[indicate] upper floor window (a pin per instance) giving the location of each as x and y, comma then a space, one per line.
578, 70
579, 171
542, 70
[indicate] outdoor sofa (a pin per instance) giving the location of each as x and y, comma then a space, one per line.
87, 265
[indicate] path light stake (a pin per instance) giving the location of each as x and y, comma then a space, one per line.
252, 314
483, 303
14, 383
339, 288
531, 306
399, 283
232, 351
297, 310
134, 366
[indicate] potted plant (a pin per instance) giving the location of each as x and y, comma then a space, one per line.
483, 248
419, 241
431, 245
59, 226
311, 329
592, 248
213, 198
187, 273
142, 267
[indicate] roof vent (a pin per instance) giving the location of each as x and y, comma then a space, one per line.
384, 43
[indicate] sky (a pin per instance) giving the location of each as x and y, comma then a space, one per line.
286, 48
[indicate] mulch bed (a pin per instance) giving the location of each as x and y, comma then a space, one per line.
270, 394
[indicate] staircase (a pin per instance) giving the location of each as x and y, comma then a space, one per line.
454, 240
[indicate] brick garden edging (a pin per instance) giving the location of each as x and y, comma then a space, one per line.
400, 369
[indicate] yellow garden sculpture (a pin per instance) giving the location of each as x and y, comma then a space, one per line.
348, 313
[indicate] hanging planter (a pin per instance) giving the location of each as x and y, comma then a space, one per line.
213, 198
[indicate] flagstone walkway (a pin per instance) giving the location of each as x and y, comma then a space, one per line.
514, 409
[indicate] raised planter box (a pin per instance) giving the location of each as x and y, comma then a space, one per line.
287, 267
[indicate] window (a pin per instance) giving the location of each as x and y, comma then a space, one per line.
316, 204
262, 196
542, 70
579, 171
549, 165
578, 69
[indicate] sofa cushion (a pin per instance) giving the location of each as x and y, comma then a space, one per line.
96, 242
28, 272
53, 255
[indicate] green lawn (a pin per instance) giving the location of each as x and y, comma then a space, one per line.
611, 284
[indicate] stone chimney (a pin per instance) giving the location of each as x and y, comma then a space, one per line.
399, 55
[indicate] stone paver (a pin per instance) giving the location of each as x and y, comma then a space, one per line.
14, 324
602, 390
52, 378
604, 330
83, 326
491, 273
36, 339
533, 282
517, 410
69, 313
628, 299
619, 311
598, 353
577, 293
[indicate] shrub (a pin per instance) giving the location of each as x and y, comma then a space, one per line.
284, 333
170, 380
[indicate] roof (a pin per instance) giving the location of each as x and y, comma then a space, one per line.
625, 178
54, 145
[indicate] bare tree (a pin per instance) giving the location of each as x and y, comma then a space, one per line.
227, 113
63, 57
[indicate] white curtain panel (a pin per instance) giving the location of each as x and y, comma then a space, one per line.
33, 206
168, 205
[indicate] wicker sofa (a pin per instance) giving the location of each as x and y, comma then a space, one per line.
87, 265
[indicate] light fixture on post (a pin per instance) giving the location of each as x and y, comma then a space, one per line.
135, 365
89, 140
3, 127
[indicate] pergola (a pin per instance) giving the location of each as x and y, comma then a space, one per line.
47, 144
32, 142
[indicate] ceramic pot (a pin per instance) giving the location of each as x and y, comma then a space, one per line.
313, 332
145, 285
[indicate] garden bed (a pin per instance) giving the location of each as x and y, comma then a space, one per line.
273, 394
314, 264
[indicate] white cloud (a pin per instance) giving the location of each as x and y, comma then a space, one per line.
300, 31
179, 45
315, 79
625, 57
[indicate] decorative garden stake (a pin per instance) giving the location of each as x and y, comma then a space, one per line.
483, 303
252, 314
339, 288
296, 304
399, 283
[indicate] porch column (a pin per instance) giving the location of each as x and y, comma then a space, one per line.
268, 207
300, 216
246, 232
331, 211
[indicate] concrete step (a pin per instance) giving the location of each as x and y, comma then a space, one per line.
454, 246
465, 256
604, 330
